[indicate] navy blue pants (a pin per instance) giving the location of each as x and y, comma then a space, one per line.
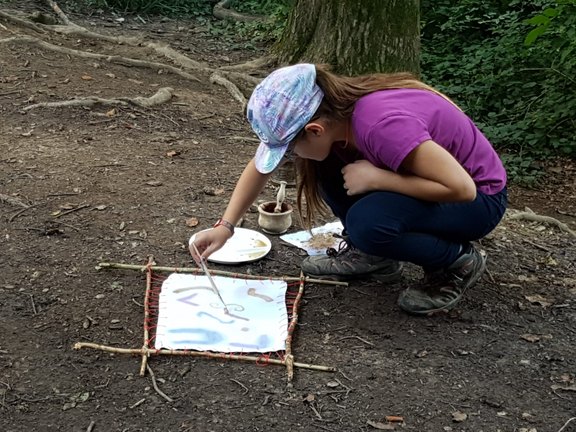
403, 228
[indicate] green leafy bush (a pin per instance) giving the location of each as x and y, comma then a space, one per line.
157, 7
510, 65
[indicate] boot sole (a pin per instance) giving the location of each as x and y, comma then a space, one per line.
450, 306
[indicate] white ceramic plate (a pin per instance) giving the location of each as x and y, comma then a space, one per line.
244, 246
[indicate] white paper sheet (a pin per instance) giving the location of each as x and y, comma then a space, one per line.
192, 317
303, 239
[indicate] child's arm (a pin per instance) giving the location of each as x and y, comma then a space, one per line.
429, 173
247, 189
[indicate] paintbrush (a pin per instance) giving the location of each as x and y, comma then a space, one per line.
209, 276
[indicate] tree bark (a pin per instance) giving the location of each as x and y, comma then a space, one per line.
354, 36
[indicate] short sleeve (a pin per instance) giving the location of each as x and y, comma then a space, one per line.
394, 137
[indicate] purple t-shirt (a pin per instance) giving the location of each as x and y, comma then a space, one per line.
389, 124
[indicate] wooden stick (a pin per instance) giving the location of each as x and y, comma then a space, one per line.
289, 356
195, 270
80, 207
19, 212
219, 356
145, 345
155, 385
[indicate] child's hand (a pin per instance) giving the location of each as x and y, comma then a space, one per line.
361, 177
208, 242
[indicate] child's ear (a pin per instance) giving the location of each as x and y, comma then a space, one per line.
314, 128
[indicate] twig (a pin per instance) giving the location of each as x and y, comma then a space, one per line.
566, 424
140, 402
489, 273
91, 426
19, 212
241, 385
209, 354
63, 194
10, 92
80, 207
313, 408
537, 246
33, 304
196, 270
361, 292
565, 213
359, 338
155, 385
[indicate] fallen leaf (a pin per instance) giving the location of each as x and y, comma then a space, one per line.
87, 77
213, 191
379, 425
309, 398
459, 416
173, 153
538, 299
192, 222
394, 419
565, 388
111, 113
534, 338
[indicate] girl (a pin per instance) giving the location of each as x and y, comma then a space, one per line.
406, 171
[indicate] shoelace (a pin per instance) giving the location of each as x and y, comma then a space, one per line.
343, 247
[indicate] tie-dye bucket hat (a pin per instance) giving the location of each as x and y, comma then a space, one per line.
280, 106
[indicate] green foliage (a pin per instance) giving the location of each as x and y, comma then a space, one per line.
156, 7
510, 65
266, 31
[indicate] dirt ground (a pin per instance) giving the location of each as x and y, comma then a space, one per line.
83, 185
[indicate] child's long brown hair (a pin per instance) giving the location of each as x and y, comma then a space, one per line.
340, 96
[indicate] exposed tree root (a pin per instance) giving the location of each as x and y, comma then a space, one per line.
20, 22
221, 11
111, 59
216, 78
529, 215
259, 63
166, 51
161, 96
227, 76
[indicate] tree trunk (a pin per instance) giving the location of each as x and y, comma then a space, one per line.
354, 36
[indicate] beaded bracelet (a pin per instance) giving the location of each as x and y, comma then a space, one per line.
224, 223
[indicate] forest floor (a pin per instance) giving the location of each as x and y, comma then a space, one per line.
117, 183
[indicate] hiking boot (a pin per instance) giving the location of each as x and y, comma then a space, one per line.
443, 289
348, 263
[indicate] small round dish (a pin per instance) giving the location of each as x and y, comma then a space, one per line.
245, 245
